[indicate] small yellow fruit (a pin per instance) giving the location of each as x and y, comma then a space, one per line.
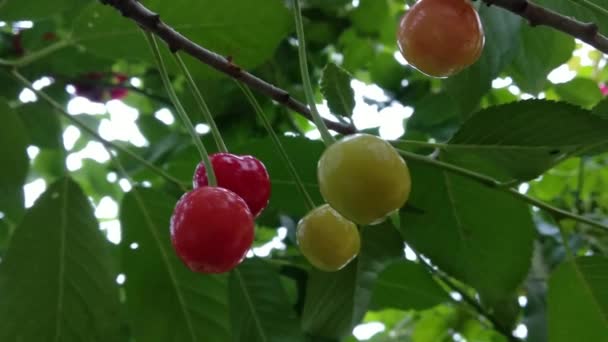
363, 178
328, 240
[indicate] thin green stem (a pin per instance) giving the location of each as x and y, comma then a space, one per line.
217, 136
104, 142
591, 6
492, 183
580, 184
420, 144
469, 300
328, 139
180, 109
565, 241
557, 212
277, 143
36, 55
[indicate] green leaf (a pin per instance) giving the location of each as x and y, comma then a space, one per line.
581, 13
14, 161
601, 109
42, 125
436, 324
542, 50
358, 52
259, 306
406, 285
468, 87
506, 138
578, 301
469, 231
56, 282
249, 31
580, 91
369, 16
437, 115
166, 301
335, 85
17, 10
336, 302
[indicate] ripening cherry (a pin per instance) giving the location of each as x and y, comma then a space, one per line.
211, 229
441, 37
328, 240
363, 178
244, 175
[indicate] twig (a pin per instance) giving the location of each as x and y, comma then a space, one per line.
467, 299
541, 16
34, 56
151, 22
105, 85
505, 187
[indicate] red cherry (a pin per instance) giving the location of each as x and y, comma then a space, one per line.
245, 175
211, 229
120, 78
118, 93
18, 45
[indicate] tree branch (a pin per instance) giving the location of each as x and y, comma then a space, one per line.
151, 22
540, 16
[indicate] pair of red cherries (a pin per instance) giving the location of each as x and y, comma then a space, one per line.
212, 228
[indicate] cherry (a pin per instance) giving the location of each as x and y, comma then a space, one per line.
363, 178
100, 86
328, 240
211, 229
17, 43
118, 93
244, 175
441, 37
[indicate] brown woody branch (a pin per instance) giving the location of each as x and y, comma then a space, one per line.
540, 16
151, 21
536, 16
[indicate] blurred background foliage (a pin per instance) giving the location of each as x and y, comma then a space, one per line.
60, 278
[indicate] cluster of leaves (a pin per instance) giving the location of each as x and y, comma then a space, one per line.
58, 274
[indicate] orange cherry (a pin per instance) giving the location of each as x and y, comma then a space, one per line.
441, 37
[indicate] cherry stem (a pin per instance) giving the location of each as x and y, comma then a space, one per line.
36, 55
562, 232
277, 143
108, 144
327, 138
217, 136
180, 109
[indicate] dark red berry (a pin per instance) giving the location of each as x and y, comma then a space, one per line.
211, 229
120, 78
118, 93
244, 175
18, 48
89, 91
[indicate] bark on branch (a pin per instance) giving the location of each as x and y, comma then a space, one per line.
176, 41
